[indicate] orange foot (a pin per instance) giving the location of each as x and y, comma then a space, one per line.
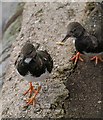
97, 58
32, 100
30, 90
76, 58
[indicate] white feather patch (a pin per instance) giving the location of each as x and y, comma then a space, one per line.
27, 60
31, 78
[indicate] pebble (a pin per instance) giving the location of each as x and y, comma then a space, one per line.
99, 102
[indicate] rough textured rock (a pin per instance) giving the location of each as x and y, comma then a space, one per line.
43, 23
12, 26
11, 22
85, 82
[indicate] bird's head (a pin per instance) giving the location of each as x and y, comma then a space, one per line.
29, 52
74, 29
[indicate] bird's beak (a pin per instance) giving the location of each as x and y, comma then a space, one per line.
62, 42
65, 38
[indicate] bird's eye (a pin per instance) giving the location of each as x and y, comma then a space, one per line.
72, 31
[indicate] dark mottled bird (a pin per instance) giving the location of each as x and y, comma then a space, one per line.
88, 37
34, 65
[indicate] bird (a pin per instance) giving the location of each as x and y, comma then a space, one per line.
88, 36
34, 65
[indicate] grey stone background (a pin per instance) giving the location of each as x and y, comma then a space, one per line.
68, 92
44, 23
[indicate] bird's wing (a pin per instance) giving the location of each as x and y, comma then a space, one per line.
21, 67
46, 59
94, 41
49, 62
91, 43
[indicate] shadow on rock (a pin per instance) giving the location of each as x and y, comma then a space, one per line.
84, 85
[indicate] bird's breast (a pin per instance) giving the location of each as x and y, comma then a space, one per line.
29, 77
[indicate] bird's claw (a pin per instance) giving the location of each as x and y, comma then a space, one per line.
97, 58
31, 101
30, 90
76, 58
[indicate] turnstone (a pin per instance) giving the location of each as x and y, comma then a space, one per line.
33, 65
88, 38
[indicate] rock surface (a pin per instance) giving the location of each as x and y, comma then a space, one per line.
85, 82
43, 23
69, 92
12, 27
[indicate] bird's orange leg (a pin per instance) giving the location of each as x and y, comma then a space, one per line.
97, 58
30, 90
77, 57
32, 100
